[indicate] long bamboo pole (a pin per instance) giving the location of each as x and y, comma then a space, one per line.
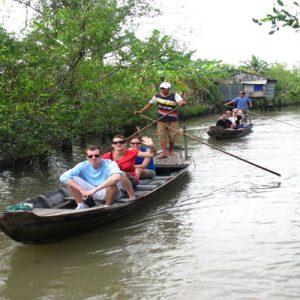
153, 122
211, 146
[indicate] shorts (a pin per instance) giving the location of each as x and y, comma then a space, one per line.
151, 173
100, 195
134, 181
167, 134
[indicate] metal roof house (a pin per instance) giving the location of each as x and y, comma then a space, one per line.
255, 86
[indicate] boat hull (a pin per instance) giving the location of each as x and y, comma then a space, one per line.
221, 133
42, 225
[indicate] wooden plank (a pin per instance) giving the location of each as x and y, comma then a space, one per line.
146, 186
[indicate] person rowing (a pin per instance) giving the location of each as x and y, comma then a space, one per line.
242, 102
166, 101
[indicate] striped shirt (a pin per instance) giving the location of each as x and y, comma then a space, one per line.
165, 105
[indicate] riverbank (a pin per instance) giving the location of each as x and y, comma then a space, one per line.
186, 113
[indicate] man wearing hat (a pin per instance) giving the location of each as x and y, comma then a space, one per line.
166, 101
242, 102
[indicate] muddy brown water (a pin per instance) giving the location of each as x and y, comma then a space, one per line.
229, 231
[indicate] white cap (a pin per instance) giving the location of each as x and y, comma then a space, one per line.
165, 85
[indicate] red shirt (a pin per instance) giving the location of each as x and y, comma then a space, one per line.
126, 163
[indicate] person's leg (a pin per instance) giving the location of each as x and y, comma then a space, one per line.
163, 138
171, 149
173, 136
246, 116
146, 173
138, 172
127, 186
76, 194
112, 193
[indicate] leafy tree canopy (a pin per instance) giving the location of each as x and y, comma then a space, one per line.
284, 14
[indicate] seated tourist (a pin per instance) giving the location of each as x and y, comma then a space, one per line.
240, 120
229, 116
95, 177
125, 158
144, 167
223, 121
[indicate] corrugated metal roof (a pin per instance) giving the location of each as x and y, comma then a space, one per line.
255, 82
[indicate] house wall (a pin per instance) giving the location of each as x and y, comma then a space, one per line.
238, 78
230, 91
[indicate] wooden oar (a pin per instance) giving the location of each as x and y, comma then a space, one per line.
262, 115
153, 122
216, 148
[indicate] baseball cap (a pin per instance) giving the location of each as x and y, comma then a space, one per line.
165, 85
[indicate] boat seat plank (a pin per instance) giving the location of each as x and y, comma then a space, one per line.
123, 200
146, 186
162, 177
51, 211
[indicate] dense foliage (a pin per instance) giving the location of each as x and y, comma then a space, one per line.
79, 69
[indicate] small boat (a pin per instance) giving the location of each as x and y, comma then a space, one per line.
52, 215
221, 133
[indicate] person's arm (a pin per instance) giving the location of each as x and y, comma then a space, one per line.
179, 100
146, 107
182, 103
144, 164
146, 154
250, 102
69, 174
111, 180
229, 102
147, 141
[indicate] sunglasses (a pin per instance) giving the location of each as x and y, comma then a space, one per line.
118, 142
135, 143
95, 155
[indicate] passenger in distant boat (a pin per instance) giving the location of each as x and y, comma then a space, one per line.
125, 158
144, 167
239, 121
229, 116
166, 101
223, 121
96, 177
242, 102
234, 115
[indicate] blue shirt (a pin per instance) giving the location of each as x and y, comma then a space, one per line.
139, 160
242, 102
86, 171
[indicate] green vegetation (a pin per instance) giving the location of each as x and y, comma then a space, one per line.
284, 14
80, 70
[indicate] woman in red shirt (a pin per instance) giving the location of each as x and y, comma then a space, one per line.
125, 158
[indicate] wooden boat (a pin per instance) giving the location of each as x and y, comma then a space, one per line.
221, 133
53, 216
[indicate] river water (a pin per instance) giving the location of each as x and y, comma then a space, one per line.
229, 231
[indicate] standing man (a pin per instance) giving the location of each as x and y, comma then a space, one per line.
96, 177
242, 102
166, 101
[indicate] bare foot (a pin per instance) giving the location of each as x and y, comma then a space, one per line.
132, 199
172, 154
161, 155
